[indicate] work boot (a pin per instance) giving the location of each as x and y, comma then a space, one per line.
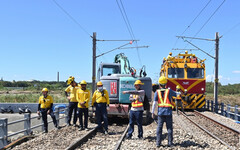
80, 129
45, 131
74, 125
86, 129
128, 137
106, 132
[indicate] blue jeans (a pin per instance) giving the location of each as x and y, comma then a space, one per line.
169, 123
72, 108
138, 117
82, 111
101, 114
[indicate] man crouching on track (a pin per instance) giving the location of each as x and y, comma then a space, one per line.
100, 100
83, 97
163, 97
45, 107
136, 112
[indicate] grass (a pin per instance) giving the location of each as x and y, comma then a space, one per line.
30, 98
226, 99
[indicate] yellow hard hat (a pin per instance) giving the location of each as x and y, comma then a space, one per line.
178, 87
170, 53
162, 80
138, 82
83, 82
70, 80
44, 90
72, 77
186, 52
99, 83
193, 55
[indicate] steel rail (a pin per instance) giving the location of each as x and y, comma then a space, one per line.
18, 141
81, 140
229, 128
208, 132
118, 145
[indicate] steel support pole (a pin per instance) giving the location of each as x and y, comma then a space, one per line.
27, 123
3, 132
216, 72
94, 63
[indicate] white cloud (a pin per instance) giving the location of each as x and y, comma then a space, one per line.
236, 71
210, 77
222, 79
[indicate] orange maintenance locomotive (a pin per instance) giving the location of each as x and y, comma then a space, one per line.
188, 72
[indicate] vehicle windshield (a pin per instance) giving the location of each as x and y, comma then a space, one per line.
175, 73
195, 73
108, 70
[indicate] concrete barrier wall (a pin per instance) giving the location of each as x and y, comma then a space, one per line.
32, 106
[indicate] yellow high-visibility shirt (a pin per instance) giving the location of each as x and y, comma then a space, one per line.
83, 96
73, 92
97, 96
45, 102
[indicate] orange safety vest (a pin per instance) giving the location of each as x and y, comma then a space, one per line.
193, 60
166, 102
136, 103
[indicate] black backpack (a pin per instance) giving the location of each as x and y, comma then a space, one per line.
146, 104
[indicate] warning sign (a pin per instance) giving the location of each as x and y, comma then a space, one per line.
113, 86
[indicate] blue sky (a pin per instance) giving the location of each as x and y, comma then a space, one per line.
38, 39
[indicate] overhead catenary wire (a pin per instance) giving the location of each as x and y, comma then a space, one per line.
72, 18
231, 29
196, 17
128, 25
207, 20
192, 22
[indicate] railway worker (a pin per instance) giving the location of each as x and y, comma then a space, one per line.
45, 107
178, 99
136, 112
162, 98
194, 59
169, 57
83, 97
72, 98
100, 100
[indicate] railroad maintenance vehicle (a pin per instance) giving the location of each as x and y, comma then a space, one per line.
118, 77
187, 71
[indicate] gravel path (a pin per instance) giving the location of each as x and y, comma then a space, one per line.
185, 136
224, 120
182, 138
102, 141
55, 139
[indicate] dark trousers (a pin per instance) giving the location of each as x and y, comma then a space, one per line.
44, 118
179, 104
72, 108
169, 123
82, 111
101, 114
138, 117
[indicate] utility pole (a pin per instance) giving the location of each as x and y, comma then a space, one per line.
216, 72
57, 76
94, 63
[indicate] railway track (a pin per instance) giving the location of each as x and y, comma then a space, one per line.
222, 133
69, 138
112, 140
